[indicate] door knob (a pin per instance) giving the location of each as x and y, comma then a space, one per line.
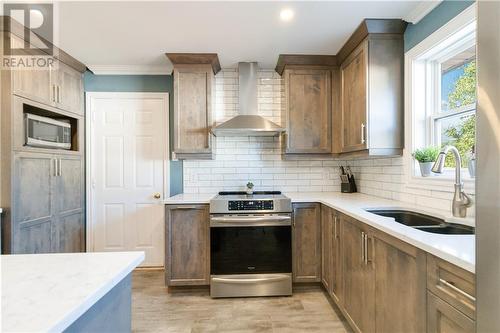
157, 195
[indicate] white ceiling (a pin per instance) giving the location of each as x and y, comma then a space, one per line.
133, 36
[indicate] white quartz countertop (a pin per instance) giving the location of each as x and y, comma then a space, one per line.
457, 249
181, 199
48, 292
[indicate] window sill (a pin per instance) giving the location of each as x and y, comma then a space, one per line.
441, 183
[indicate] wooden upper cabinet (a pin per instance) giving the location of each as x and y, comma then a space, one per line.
69, 89
371, 63
308, 105
309, 89
34, 84
193, 104
306, 242
353, 76
58, 85
187, 242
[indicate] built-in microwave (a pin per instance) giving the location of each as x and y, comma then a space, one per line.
47, 132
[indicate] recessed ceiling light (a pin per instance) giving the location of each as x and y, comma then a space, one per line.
286, 14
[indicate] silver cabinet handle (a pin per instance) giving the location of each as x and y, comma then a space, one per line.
60, 167
185, 207
53, 93
366, 249
458, 290
335, 227
362, 246
363, 126
54, 165
59, 94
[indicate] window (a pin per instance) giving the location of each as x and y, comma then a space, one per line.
440, 76
455, 119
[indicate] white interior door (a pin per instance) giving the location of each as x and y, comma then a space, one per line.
128, 172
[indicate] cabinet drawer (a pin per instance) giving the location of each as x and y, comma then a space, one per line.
452, 284
443, 318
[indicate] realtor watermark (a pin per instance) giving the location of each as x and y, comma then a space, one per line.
30, 42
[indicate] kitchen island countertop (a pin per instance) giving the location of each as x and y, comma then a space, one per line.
49, 292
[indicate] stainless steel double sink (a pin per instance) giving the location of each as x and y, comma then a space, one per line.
424, 222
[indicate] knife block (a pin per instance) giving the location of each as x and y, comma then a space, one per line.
348, 187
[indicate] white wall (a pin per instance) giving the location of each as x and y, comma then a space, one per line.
240, 159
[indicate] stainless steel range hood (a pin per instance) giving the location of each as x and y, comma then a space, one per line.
247, 123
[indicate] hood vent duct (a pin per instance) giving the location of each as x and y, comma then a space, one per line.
247, 123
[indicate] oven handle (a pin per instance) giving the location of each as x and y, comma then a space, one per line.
255, 280
251, 221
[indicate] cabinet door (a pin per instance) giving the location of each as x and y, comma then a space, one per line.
68, 233
359, 285
309, 110
69, 94
337, 269
326, 247
32, 202
354, 100
187, 245
69, 225
443, 318
400, 279
192, 110
34, 84
306, 242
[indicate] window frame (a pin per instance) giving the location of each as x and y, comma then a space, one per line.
423, 95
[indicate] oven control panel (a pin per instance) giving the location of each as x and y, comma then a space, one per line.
251, 205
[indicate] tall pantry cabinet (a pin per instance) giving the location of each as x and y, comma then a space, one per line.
42, 190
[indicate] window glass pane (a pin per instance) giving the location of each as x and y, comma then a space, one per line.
458, 131
458, 80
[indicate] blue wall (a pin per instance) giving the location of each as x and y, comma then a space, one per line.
439, 16
140, 83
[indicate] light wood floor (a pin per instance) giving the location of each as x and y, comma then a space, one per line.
154, 309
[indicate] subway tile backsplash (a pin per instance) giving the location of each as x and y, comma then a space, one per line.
258, 159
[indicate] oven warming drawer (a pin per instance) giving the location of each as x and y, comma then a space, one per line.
251, 285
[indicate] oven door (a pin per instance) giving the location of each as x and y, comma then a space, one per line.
250, 255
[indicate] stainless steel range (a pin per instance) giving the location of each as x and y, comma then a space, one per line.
250, 244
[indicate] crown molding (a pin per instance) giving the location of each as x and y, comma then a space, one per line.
422, 9
130, 70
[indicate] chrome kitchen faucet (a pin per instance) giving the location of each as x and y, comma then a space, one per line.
461, 201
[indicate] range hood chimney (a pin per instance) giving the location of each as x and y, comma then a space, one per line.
247, 123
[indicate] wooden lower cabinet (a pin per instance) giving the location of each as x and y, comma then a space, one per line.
331, 260
327, 247
381, 281
306, 242
359, 286
187, 260
400, 280
337, 267
444, 318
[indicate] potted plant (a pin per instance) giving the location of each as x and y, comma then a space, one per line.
250, 188
426, 158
